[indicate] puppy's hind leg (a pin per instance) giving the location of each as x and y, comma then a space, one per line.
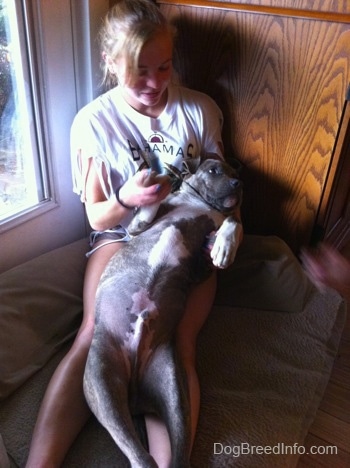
164, 388
106, 382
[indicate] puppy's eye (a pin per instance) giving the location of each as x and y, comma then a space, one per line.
213, 170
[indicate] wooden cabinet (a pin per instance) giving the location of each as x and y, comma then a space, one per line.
333, 220
280, 71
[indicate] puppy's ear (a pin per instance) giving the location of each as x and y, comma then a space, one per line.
190, 166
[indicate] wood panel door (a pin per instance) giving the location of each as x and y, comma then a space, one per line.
280, 79
333, 220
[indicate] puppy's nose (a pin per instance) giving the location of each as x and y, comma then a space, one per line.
236, 183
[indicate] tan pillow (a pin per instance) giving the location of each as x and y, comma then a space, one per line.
266, 275
40, 309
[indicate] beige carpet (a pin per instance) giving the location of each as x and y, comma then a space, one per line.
263, 376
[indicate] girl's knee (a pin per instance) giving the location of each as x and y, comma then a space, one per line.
84, 336
186, 350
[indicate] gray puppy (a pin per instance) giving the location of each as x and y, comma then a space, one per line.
132, 367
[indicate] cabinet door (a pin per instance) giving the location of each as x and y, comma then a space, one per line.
333, 221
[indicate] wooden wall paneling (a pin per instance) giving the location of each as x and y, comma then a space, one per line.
280, 82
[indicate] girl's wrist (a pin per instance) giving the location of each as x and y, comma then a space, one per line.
121, 203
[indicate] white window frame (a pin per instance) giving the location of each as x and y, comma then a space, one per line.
68, 79
32, 77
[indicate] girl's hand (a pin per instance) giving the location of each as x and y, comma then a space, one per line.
144, 188
327, 267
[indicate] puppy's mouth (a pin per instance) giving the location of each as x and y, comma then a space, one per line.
231, 201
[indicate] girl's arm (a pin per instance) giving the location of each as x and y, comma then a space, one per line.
106, 213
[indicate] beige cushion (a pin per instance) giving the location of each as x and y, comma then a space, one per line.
41, 300
266, 275
40, 309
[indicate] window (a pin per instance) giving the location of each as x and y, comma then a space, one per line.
23, 174
58, 75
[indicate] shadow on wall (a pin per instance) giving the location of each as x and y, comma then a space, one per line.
212, 57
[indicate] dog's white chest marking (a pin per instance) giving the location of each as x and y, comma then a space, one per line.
169, 249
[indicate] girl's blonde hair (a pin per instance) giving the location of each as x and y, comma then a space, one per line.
125, 30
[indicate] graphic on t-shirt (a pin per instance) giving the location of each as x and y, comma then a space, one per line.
157, 150
156, 138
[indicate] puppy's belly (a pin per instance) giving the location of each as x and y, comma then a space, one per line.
135, 318
138, 342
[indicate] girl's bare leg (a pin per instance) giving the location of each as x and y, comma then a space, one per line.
198, 307
64, 411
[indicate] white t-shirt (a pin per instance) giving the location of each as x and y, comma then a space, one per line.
119, 138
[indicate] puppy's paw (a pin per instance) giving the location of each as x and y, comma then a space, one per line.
227, 241
223, 252
143, 219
